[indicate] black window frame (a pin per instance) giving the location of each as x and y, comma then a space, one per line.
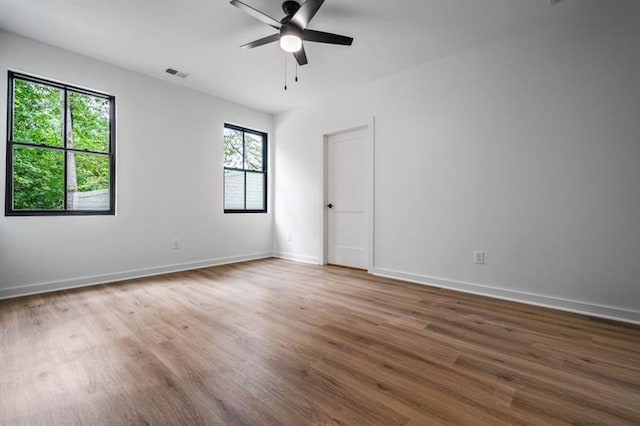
264, 171
66, 88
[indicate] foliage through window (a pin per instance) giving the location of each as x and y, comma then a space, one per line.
245, 170
60, 149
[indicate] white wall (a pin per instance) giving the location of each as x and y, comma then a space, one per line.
527, 148
169, 183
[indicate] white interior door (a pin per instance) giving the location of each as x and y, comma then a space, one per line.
347, 199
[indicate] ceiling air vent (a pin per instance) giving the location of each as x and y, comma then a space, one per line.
176, 73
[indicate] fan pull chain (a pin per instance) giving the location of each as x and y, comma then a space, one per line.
296, 71
285, 73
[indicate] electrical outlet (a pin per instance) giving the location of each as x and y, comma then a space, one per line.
175, 244
478, 257
290, 237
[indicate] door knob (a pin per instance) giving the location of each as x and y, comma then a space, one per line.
330, 205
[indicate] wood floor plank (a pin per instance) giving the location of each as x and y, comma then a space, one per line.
276, 342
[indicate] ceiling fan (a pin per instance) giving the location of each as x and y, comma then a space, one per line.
293, 28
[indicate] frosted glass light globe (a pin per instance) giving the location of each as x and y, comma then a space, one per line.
290, 43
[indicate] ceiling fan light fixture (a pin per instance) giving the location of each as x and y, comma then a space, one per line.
290, 43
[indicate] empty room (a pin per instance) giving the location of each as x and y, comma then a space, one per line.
320, 212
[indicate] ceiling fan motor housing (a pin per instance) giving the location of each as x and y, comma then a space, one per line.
289, 29
290, 8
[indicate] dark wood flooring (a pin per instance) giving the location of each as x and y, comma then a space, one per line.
276, 342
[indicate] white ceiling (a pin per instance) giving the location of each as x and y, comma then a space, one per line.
201, 37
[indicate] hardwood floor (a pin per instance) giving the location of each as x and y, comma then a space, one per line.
277, 342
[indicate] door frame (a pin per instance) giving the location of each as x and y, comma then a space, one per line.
368, 125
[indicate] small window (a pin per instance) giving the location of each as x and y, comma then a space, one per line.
245, 170
60, 149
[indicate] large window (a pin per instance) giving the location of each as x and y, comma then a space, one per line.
245, 170
60, 149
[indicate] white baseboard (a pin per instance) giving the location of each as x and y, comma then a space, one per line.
298, 257
575, 306
29, 289
602, 311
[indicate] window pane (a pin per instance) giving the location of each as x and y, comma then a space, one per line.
38, 179
87, 182
89, 119
233, 190
37, 113
232, 148
253, 146
255, 191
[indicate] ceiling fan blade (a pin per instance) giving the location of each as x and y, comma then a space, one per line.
261, 42
301, 56
257, 14
322, 37
305, 14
